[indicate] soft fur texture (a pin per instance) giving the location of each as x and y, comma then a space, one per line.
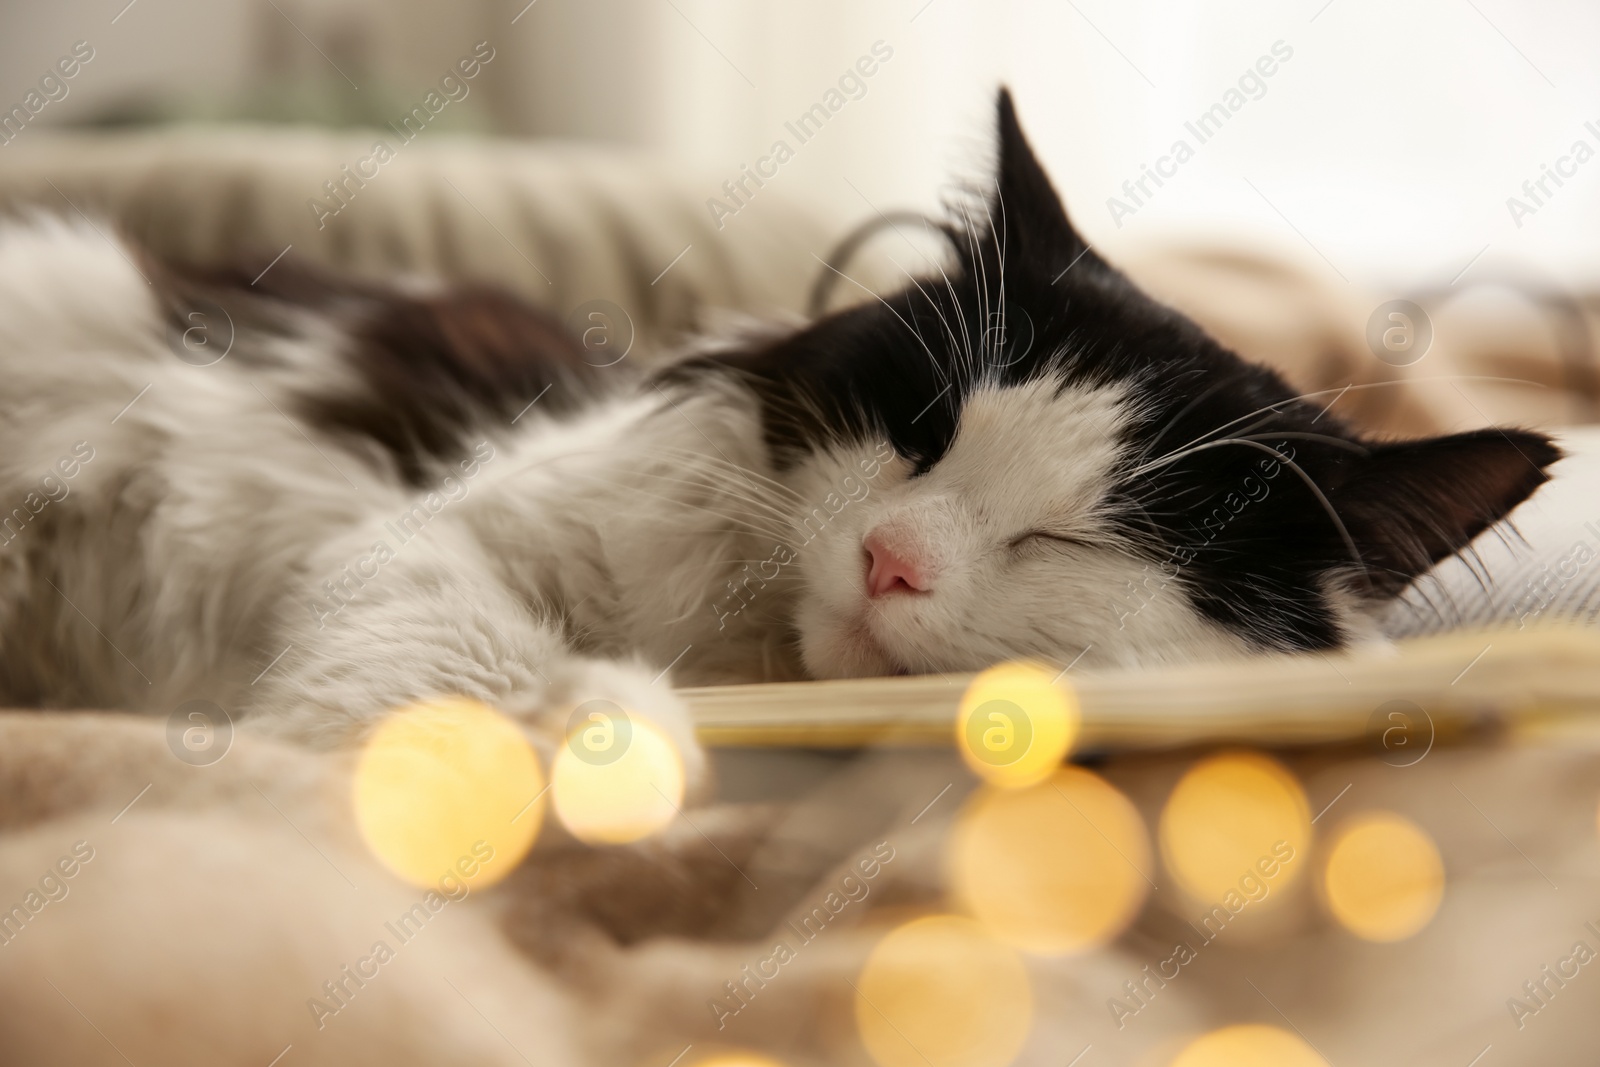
371, 496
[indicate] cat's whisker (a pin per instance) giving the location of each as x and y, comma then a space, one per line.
753, 521
1310, 483
975, 352
933, 360
976, 361
963, 338
741, 470
1277, 406
992, 358
1300, 435
931, 303
532, 466
1194, 403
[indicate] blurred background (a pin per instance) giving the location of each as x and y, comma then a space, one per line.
1392, 204
1387, 146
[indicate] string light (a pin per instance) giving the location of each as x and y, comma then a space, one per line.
449, 789
1249, 1046
611, 786
940, 992
1236, 824
1056, 868
1016, 724
738, 1058
1383, 880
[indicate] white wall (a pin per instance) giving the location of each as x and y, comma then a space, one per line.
1390, 141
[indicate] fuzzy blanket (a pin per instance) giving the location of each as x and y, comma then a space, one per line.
215, 915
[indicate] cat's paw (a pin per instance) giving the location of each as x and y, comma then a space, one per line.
595, 707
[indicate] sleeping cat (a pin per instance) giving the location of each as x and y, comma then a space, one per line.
379, 494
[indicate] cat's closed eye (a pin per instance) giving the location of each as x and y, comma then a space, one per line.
1044, 539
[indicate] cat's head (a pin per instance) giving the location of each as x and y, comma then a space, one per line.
1026, 455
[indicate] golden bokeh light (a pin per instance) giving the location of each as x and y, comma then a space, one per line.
633, 790
442, 790
1384, 879
1015, 725
1056, 868
1249, 1046
738, 1058
940, 992
1236, 825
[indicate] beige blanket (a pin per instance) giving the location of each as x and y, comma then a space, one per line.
219, 900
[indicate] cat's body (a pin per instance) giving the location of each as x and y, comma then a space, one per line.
379, 496
219, 540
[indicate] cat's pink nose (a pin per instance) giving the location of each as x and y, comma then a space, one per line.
889, 570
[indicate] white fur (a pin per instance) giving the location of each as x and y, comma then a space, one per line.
187, 552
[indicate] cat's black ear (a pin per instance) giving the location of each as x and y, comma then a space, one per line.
1412, 503
1035, 224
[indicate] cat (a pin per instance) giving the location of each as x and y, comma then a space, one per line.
378, 494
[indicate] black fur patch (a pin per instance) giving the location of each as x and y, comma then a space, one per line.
434, 369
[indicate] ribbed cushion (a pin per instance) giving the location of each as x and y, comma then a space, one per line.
560, 223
